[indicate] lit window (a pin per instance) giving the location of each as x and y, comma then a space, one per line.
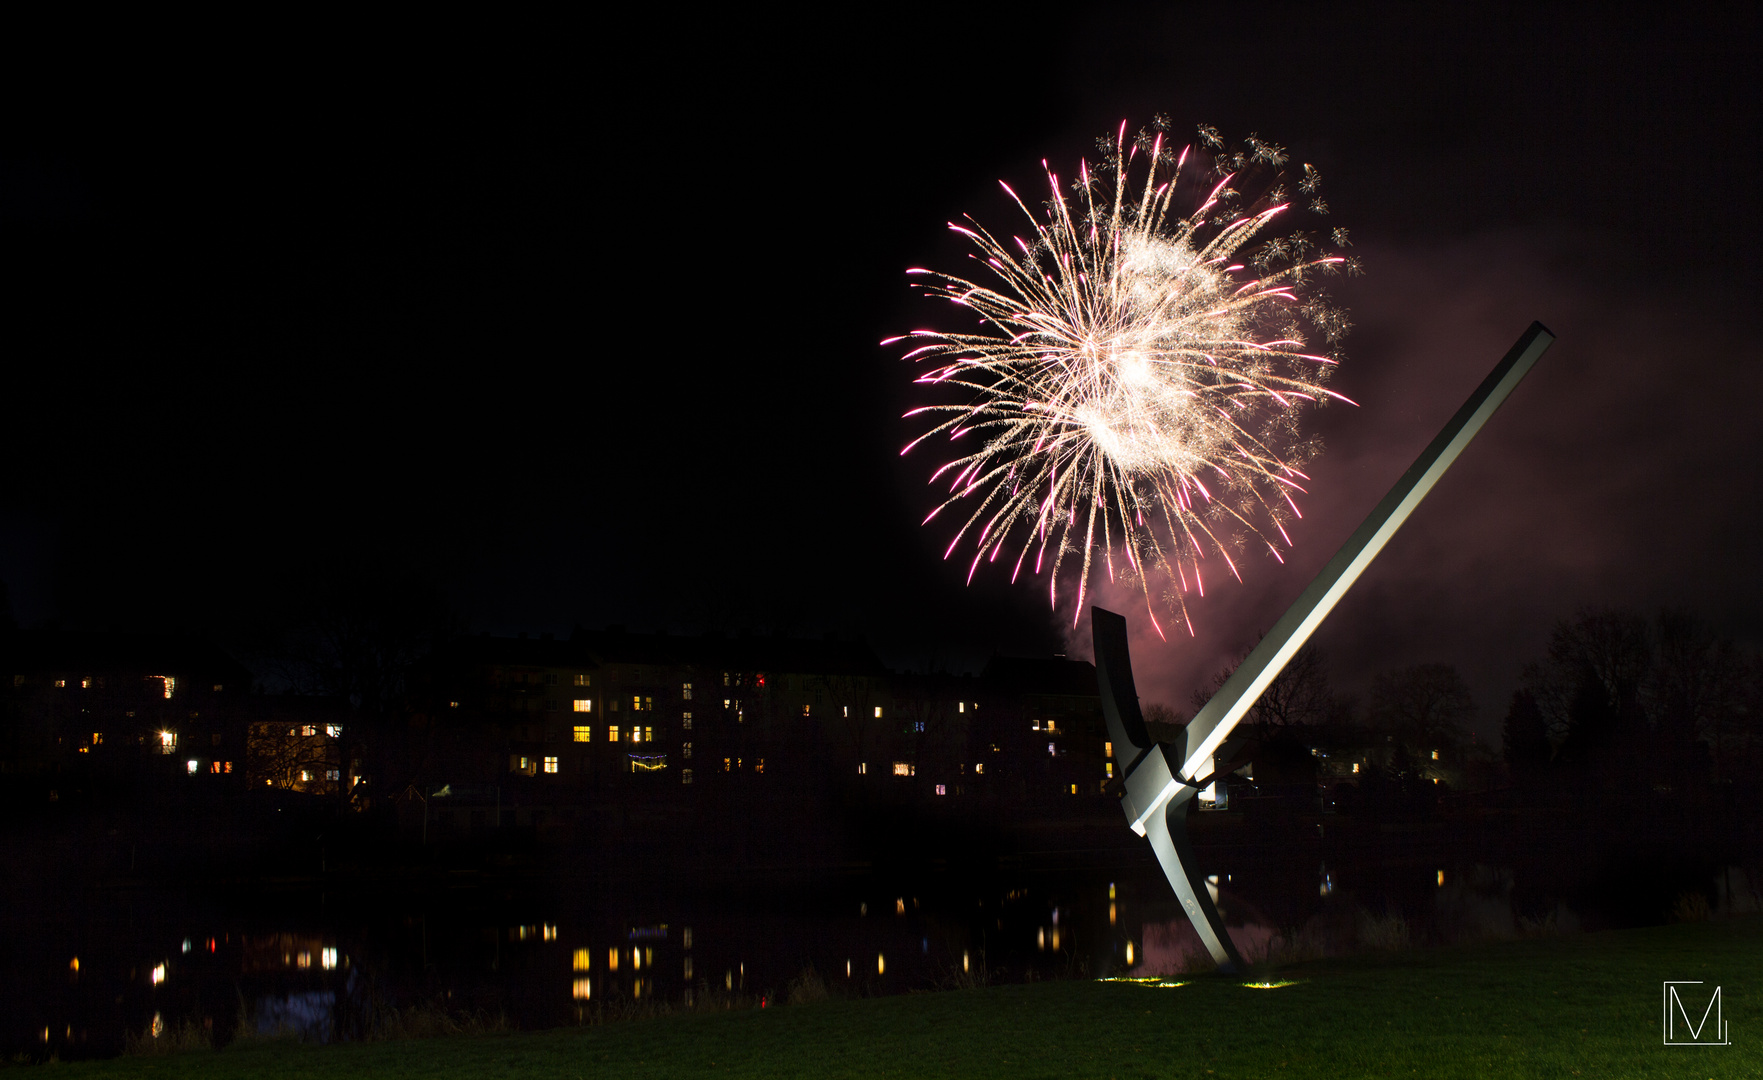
1074, 789
158, 975
685, 749
878, 712
1052, 750
335, 731
941, 790
214, 766
582, 680
452, 704
979, 767
1108, 766
642, 704
1435, 755
97, 737
583, 704
1107, 749
1050, 727
685, 691
805, 711
863, 768
61, 684
961, 706
305, 776
226, 767
328, 958
612, 959
685, 776
685, 721
333, 774
583, 961
193, 766
1355, 766
648, 734
168, 741
581, 990
725, 764
171, 684
612, 733
551, 764
85, 684
584, 733
902, 768
309, 730
760, 768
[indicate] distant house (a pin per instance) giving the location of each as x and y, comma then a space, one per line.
1043, 726
294, 743
94, 715
617, 715
549, 727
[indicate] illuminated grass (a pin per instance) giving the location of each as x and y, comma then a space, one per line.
1161, 984
1586, 1005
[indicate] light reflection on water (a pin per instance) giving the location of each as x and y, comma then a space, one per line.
323, 966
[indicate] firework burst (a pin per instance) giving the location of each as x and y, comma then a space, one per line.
1132, 392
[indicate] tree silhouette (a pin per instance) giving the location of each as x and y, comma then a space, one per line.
1299, 694
1426, 707
1525, 738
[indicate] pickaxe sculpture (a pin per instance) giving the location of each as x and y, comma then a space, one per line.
1160, 778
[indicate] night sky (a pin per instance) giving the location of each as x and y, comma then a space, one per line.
581, 321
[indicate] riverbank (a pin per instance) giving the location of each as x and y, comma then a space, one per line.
1588, 1004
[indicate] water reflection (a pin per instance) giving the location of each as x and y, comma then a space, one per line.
326, 965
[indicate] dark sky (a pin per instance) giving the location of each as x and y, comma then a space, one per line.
583, 322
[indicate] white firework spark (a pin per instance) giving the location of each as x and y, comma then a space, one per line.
1133, 389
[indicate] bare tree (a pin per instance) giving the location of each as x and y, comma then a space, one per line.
1524, 737
1427, 707
1604, 652
1162, 722
291, 755
1299, 694
1696, 686
1670, 681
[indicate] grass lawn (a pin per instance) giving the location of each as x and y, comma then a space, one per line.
1587, 1005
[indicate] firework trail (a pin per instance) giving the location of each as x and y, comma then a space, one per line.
1133, 389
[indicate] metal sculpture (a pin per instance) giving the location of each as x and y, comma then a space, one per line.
1159, 778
